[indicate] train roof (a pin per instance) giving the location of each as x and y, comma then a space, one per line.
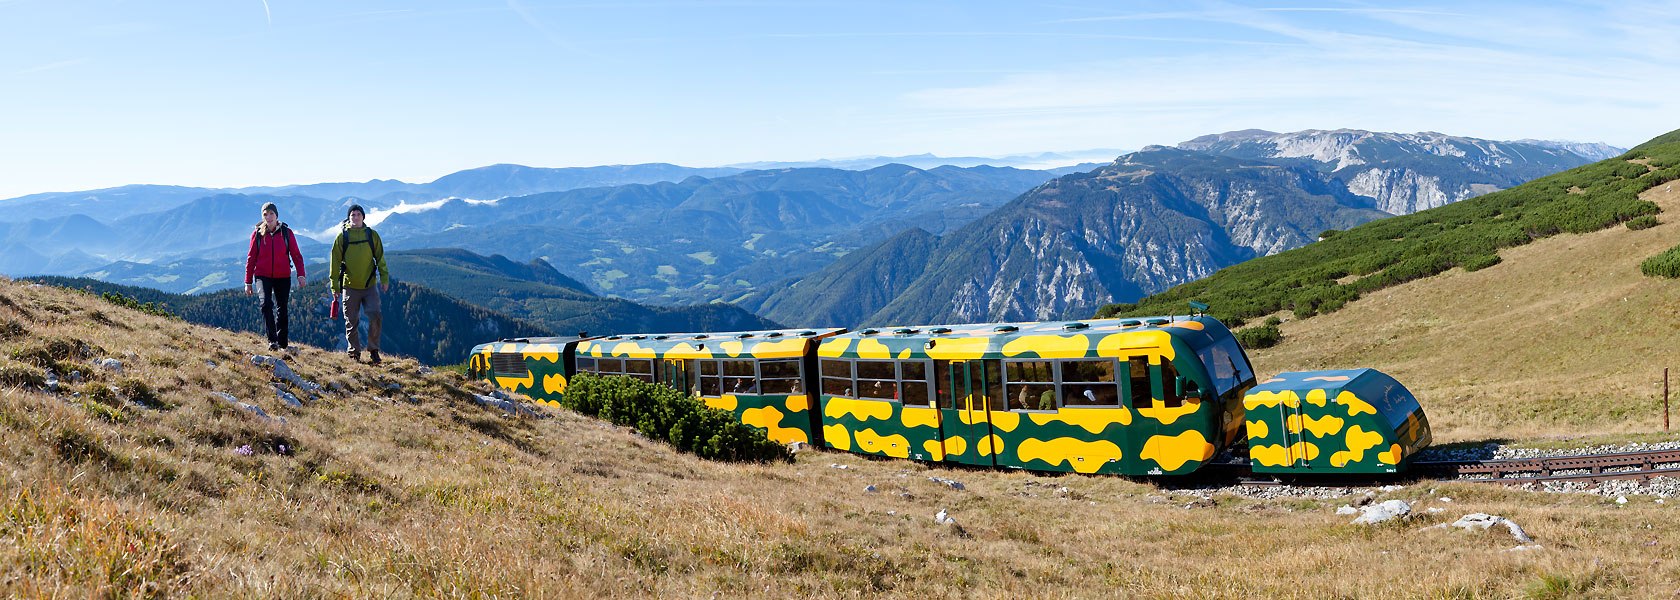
1048, 339
773, 343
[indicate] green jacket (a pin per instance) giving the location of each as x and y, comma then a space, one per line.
355, 255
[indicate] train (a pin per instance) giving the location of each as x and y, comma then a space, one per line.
1156, 396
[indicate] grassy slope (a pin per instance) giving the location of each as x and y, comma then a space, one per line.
378, 496
1563, 337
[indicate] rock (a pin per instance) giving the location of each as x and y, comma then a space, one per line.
797, 447
1621, 499
1347, 510
210, 363
252, 408
838, 466
1435, 510
1525, 547
1446, 499
1365, 499
52, 382
76, 376
1386, 511
944, 518
287, 397
425, 370
953, 484
870, 488
507, 406
1482, 521
109, 364
338, 387
285, 373
397, 387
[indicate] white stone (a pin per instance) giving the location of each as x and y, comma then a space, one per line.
1385, 511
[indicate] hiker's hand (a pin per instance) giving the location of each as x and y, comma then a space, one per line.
248, 291
302, 282
384, 287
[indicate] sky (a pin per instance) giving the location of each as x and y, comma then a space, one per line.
233, 93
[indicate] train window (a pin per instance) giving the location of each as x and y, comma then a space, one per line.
1089, 383
1169, 389
876, 369
1139, 389
709, 367
739, 368
586, 363
994, 385
913, 383
836, 377
1226, 364
1031, 384
610, 366
780, 377
942, 396
711, 385
639, 368
877, 379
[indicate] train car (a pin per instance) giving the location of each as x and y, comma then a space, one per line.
1155, 396
537, 367
763, 377
1347, 421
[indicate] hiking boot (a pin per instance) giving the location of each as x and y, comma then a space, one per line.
373, 357
272, 346
355, 355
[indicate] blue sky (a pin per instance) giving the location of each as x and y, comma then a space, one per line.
246, 92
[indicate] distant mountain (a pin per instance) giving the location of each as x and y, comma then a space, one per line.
1595, 151
850, 290
109, 204
499, 181
702, 240
1150, 220
1042, 161
1401, 173
537, 292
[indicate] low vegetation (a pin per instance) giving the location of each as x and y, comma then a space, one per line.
664, 414
1324, 276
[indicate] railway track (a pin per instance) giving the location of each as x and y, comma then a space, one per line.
1583, 468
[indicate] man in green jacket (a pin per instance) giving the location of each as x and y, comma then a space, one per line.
357, 255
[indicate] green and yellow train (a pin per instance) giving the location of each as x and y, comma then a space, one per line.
1154, 396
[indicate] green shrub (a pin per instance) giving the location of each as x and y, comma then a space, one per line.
662, 413
152, 308
1477, 263
1666, 264
1273, 321
1264, 336
1641, 222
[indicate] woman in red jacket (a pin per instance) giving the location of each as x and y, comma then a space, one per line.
274, 251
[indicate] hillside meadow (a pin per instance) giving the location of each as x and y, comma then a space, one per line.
400, 485
1564, 337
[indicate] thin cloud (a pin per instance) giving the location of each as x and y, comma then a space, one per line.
266, 13
548, 33
52, 66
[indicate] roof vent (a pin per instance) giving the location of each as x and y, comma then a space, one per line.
1076, 325
773, 334
1130, 323
660, 337
807, 333
904, 331
744, 335
869, 332
1158, 321
940, 330
1005, 328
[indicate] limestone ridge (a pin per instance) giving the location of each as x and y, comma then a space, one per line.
1403, 173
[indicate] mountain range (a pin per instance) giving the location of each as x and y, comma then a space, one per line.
1154, 219
807, 245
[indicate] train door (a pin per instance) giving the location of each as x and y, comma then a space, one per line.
965, 418
674, 373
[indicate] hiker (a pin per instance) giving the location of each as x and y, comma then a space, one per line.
273, 252
357, 256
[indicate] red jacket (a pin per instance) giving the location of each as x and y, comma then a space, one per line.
273, 255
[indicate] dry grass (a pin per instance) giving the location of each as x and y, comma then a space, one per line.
380, 496
1563, 338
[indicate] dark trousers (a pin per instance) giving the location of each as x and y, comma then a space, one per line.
276, 290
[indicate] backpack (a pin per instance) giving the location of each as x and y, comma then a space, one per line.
378, 251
